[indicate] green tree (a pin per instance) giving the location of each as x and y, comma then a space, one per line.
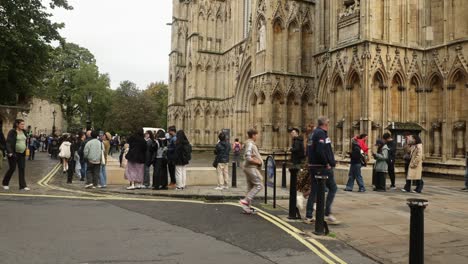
132, 108
25, 36
72, 75
157, 94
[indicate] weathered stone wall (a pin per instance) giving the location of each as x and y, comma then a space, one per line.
281, 63
38, 115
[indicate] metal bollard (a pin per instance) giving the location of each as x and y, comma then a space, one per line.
320, 226
234, 175
416, 249
293, 210
265, 179
283, 175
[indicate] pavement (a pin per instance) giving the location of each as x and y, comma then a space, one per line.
373, 225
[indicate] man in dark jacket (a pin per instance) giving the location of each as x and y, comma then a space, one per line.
321, 162
391, 158
223, 148
355, 167
171, 154
297, 148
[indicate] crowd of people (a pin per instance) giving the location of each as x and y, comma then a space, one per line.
85, 155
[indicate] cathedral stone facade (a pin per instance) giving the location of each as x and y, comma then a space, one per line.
276, 64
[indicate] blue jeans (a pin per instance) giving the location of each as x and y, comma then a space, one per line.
103, 176
330, 184
84, 167
355, 173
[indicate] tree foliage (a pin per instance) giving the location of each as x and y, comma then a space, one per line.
73, 75
25, 36
133, 109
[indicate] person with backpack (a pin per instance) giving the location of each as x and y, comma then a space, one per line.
222, 158
183, 154
160, 162
236, 147
355, 166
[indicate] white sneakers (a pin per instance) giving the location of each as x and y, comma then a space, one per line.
219, 188
331, 220
6, 188
309, 221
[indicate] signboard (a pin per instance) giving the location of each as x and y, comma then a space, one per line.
270, 171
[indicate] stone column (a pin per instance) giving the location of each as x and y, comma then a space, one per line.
374, 135
339, 137
436, 127
459, 128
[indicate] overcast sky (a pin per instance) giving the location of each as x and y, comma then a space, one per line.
130, 39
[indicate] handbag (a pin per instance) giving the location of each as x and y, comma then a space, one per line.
215, 162
103, 158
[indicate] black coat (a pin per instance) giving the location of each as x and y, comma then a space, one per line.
11, 141
2, 142
137, 150
222, 151
297, 150
183, 152
355, 153
392, 150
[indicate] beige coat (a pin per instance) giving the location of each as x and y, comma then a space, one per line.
415, 166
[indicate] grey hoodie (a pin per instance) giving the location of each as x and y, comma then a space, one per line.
93, 151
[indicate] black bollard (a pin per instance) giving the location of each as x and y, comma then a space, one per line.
265, 186
283, 175
234, 174
274, 187
320, 212
293, 211
416, 249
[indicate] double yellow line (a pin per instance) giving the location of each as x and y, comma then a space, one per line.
315, 246
44, 182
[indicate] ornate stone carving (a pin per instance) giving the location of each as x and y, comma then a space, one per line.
459, 125
375, 125
436, 125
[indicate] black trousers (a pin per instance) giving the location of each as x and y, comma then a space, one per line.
418, 183
171, 168
160, 173
71, 170
391, 172
20, 160
380, 181
92, 173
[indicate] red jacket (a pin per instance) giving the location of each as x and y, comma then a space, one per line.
362, 144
